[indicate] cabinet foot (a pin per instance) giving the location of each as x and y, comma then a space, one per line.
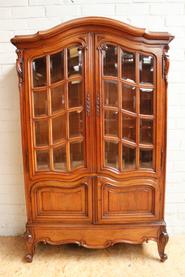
162, 241
28, 258
30, 246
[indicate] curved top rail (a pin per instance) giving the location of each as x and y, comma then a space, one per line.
92, 21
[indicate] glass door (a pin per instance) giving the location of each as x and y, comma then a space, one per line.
58, 97
127, 97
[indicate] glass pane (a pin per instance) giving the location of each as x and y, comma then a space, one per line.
77, 154
75, 96
40, 103
42, 158
59, 158
57, 67
129, 127
74, 61
111, 93
59, 128
41, 132
111, 154
146, 69
129, 157
111, 123
146, 157
39, 72
110, 60
128, 66
128, 98
57, 98
146, 101
146, 131
75, 124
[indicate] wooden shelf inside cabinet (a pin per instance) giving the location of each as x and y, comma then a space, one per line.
93, 115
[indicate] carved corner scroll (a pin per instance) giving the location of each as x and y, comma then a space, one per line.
166, 63
102, 47
20, 67
83, 47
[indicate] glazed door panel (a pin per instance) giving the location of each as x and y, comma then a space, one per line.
126, 94
60, 121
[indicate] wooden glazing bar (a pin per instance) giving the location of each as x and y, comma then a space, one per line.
111, 138
68, 163
154, 113
129, 83
56, 114
137, 110
144, 116
75, 109
120, 113
39, 88
129, 143
110, 108
126, 112
57, 84
49, 112
146, 146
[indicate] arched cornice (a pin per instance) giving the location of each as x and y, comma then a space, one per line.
93, 21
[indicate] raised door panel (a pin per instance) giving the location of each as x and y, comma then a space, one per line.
60, 123
128, 142
61, 201
127, 201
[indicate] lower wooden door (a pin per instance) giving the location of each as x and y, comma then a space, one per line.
62, 201
127, 201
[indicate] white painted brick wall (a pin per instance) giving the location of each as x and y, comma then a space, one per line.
27, 16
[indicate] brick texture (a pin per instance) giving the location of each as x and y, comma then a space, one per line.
28, 16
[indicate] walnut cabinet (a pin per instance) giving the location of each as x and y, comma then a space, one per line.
93, 112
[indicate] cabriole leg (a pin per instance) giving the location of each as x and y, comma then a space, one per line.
162, 241
30, 246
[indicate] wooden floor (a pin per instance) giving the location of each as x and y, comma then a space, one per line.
121, 260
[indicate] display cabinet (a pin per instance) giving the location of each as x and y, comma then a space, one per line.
93, 95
